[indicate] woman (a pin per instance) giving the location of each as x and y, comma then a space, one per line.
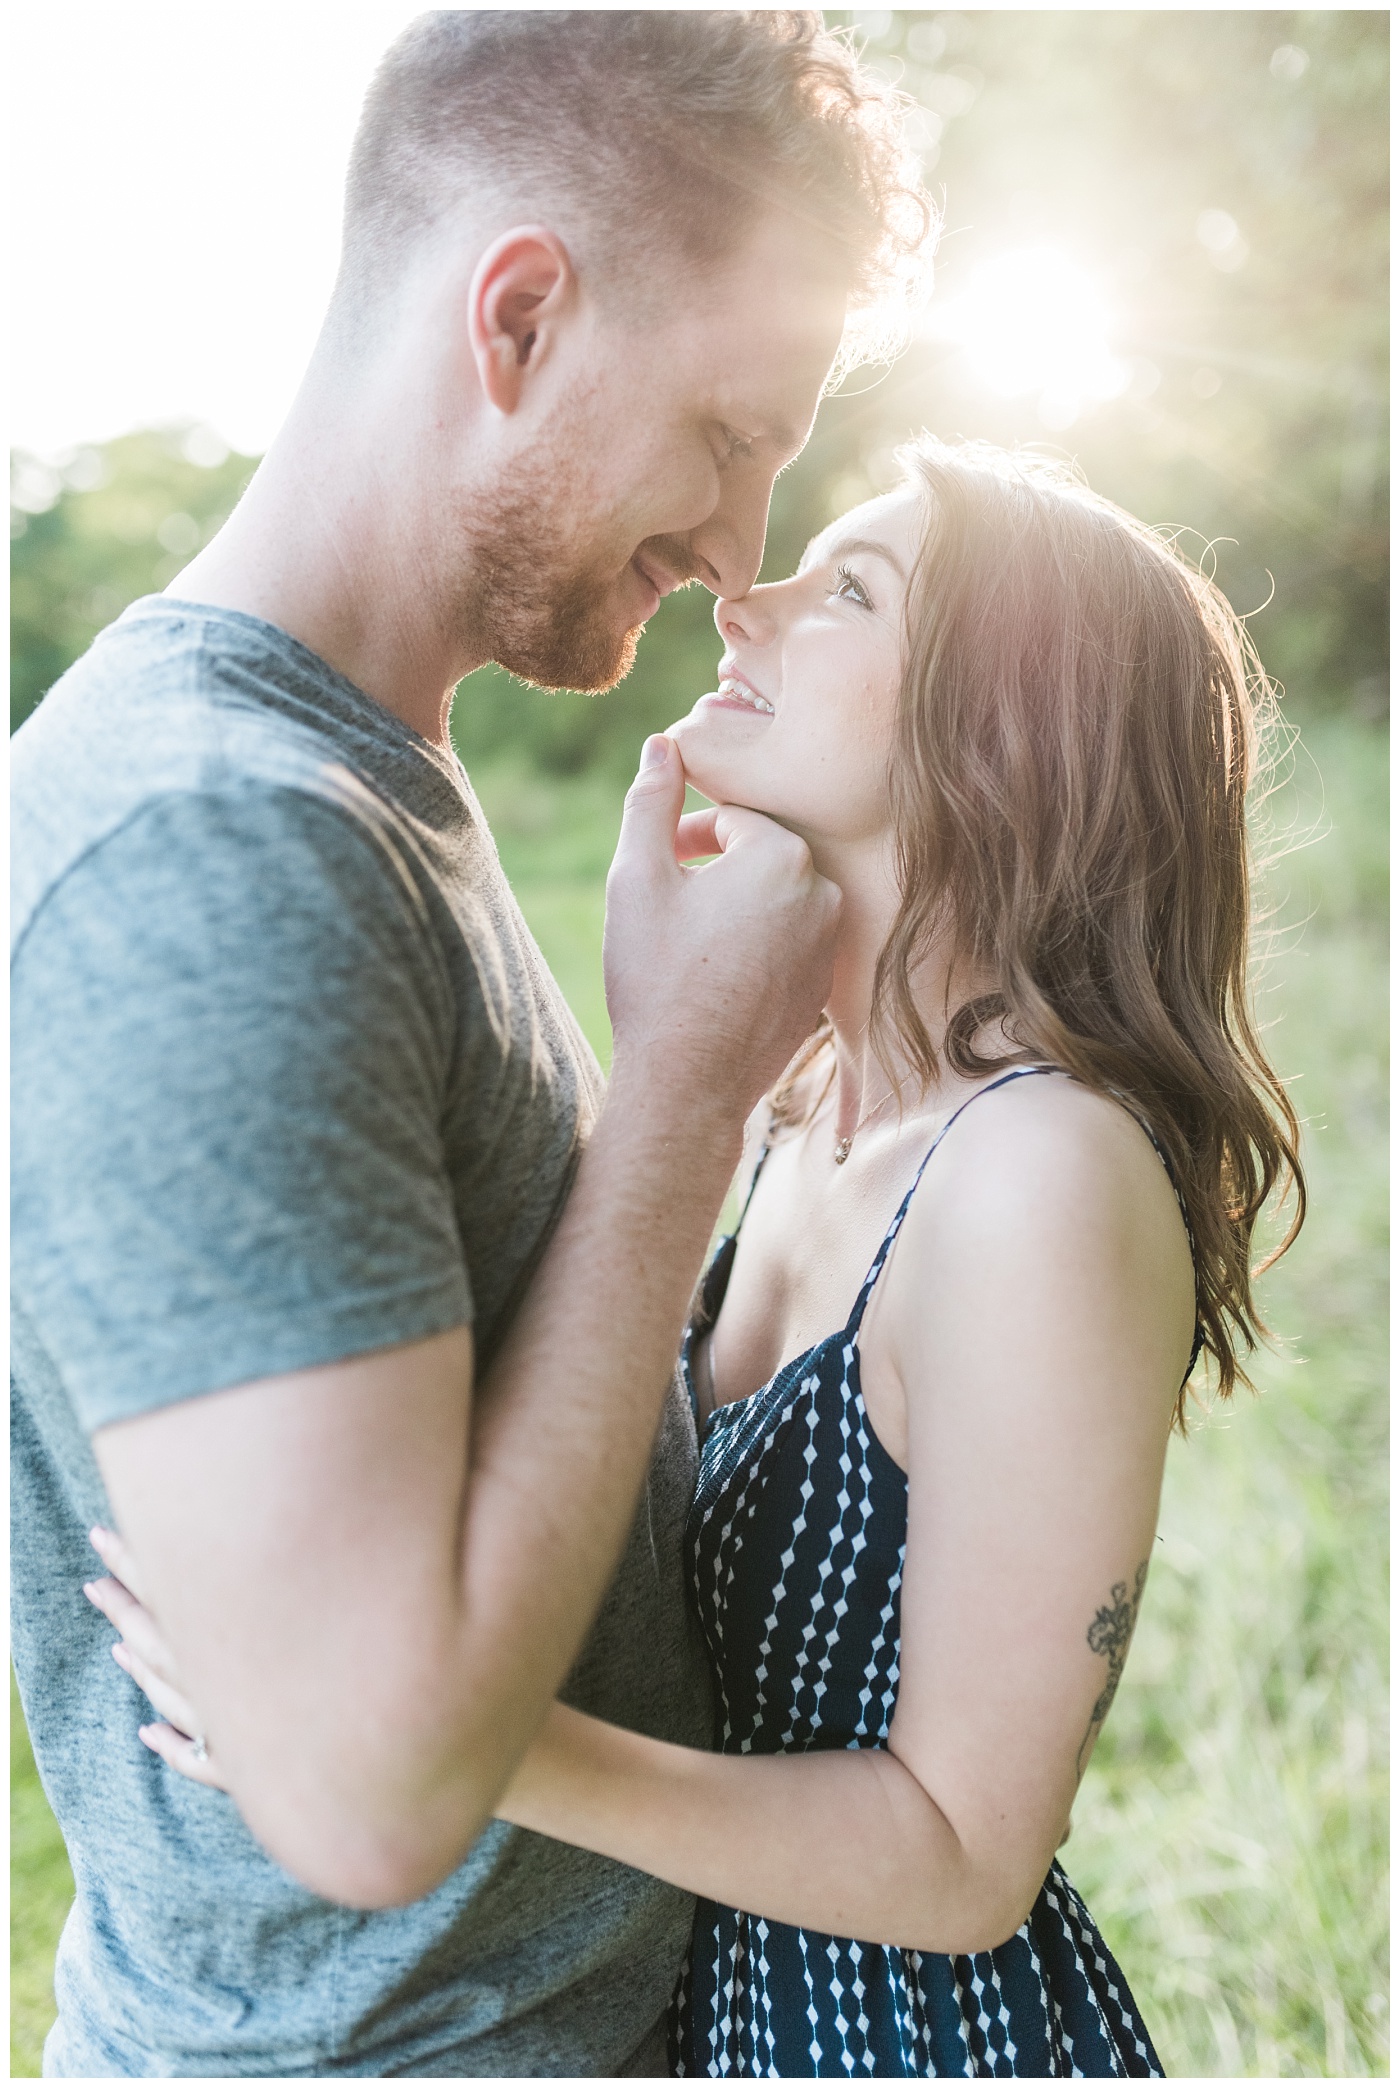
996, 1210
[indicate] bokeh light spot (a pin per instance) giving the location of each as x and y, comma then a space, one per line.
1289, 62
1222, 239
179, 534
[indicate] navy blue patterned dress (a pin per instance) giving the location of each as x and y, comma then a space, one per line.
796, 1544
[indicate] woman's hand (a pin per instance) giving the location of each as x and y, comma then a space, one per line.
143, 1654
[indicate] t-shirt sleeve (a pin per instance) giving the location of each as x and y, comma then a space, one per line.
231, 1032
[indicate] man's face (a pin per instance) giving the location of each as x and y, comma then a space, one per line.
656, 463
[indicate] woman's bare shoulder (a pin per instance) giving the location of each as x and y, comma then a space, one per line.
1054, 1141
1045, 1175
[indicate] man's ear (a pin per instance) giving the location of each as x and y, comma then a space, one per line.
520, 289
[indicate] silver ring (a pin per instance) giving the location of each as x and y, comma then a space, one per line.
199, 1748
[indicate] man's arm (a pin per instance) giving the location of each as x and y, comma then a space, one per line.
363, 1555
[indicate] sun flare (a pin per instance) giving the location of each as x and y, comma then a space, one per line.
1032, 320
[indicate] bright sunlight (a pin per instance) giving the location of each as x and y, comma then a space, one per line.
1032, 320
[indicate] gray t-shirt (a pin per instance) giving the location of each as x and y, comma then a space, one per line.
291, 1083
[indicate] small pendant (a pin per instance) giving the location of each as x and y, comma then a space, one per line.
843, 1147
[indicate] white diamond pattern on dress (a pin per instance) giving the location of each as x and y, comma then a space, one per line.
996, 2030
764, 2002
836, 1536
1056, 1905
916, 1959
722, 1572
897, 1973
814, 2049
867, 2057
838, 1992
959, 1995
720, 2027
809, 1455
1054, 2021
806, 1390
1078, 1926
1089, 1939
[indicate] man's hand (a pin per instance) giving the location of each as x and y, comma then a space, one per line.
715, 975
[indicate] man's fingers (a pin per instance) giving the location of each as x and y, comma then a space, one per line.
181, 1753
653, 807
720, 829
696, 836
163, 1695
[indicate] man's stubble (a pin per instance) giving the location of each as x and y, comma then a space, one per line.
541, 596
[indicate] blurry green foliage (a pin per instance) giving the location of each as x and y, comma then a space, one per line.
1254, 418
94, 530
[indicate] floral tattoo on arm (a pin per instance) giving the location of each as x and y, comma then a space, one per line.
1109, 1634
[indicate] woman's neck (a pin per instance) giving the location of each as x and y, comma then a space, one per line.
867, 1082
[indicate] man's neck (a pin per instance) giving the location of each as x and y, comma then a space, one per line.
340, 553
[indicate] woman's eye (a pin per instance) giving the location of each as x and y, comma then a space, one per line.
850, 589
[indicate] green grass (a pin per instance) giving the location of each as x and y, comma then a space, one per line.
41, 1889
1231, 1836
1232, 1832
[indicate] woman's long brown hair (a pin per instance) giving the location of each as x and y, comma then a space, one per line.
1078, 727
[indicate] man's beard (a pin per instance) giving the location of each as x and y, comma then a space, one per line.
548, 623
539, 606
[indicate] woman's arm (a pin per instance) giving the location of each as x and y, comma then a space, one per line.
844, 1842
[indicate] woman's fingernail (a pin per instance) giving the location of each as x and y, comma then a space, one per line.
654, 751
90, 1590
119, 1654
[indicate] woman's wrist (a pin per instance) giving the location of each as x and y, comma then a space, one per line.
537, 1794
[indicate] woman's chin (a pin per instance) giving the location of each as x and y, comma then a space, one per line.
711, 769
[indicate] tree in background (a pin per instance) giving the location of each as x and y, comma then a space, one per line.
1165, 252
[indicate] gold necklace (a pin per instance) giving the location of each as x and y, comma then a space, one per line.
843, 1145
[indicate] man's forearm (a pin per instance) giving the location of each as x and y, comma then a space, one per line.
567, 1415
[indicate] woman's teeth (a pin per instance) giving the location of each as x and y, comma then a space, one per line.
736, 692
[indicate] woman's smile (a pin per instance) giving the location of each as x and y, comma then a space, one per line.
736, 692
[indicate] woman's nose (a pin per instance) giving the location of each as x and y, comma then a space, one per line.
747, 617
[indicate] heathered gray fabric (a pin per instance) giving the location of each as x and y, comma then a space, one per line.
291, 1083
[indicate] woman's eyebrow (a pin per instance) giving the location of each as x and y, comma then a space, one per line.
848, 547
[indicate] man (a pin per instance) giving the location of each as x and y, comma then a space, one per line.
299, 1299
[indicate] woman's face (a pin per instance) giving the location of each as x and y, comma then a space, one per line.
802, 723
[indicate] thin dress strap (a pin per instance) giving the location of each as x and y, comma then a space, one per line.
863, 1297
763, 1153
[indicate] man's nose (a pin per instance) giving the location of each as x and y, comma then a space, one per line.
728, 545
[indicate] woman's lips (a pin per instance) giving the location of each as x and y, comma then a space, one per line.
734, 693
